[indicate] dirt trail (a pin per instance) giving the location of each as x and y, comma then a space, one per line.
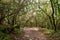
33, 34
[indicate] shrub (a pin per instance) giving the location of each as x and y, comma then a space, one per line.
17, 31
4, 36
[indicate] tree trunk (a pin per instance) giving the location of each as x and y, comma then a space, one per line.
53, 19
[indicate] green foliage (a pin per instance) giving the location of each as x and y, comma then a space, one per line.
1, 27
17, 31
4, 36
48, 31
26, 13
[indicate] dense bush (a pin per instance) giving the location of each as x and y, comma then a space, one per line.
4, 36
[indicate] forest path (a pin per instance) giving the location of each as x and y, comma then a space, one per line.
33, 33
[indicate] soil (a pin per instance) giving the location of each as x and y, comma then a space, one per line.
34, 33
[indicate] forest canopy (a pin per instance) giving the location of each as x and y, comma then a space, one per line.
36, 13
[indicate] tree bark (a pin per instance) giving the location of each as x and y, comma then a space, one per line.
53, 19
